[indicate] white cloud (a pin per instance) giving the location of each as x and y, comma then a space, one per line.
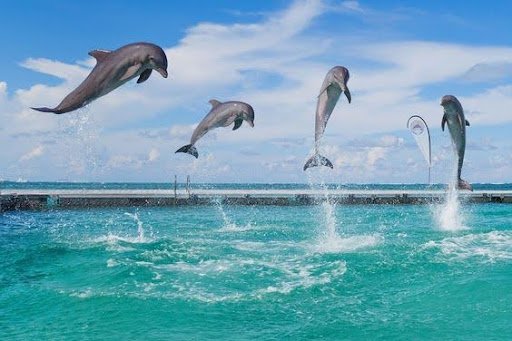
484, 72
35, 152
153, 155
73, 73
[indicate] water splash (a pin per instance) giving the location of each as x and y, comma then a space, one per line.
329, 239
227, 223
80, 132
328, 221
448, 215
140, 226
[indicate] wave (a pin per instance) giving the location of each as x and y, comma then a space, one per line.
341, 244
489, 247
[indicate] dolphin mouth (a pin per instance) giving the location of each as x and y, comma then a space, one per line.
163, 72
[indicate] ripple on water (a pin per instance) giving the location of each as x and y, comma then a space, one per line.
490, 247
339, 244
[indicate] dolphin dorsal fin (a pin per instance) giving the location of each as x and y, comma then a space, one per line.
99, 54
214, 102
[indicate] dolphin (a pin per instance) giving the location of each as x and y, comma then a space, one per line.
334, 84
454, 116
220, 115
113, 69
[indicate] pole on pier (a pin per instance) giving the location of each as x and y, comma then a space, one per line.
175, 187
188, 185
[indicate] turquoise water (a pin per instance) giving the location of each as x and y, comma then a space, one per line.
263, 272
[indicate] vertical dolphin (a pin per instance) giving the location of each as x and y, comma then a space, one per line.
454, 117
220, 115
113, 69
334, 84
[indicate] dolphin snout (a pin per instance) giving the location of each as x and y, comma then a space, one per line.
251, 123
163, 72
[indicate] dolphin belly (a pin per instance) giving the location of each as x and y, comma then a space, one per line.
457, 134
325, 106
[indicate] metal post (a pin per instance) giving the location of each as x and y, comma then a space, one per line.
175, 188
188, 185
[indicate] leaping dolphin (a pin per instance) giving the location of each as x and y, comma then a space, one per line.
454, 116
334, 84
113, 69
220, 115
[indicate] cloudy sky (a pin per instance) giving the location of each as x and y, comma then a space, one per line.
273, 55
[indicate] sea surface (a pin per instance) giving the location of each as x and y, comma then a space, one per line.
397, 272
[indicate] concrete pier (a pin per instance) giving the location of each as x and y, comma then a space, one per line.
53, 199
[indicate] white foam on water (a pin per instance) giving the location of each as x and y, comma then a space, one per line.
82, 294
112, 263
112, 238
113, 242
305, 277
201, 268
281, 276
249, 246
230, 227
346, 244
491, 247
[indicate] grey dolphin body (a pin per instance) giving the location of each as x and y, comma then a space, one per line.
221, 115
334, 84
454, 117
113, 69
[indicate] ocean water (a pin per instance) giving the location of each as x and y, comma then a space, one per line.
262, 272
256, 186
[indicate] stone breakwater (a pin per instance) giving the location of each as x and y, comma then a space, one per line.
52, 199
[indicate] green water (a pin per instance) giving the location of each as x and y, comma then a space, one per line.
240, 273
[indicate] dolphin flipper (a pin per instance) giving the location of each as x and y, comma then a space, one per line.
130, 72
238, 123
467, 123
45, 109
144, 76
443, 122
189, 149
318, 160
349, 96
324, 88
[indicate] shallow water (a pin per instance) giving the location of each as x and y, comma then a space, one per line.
236, 272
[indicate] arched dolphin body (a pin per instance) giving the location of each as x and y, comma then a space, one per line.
221, 115
454, 116
113, 69
334, 84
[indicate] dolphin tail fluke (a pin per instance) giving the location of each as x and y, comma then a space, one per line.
189, 149
45, 109
318, 160
462, 184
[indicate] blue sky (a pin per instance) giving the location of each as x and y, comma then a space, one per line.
403, 57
